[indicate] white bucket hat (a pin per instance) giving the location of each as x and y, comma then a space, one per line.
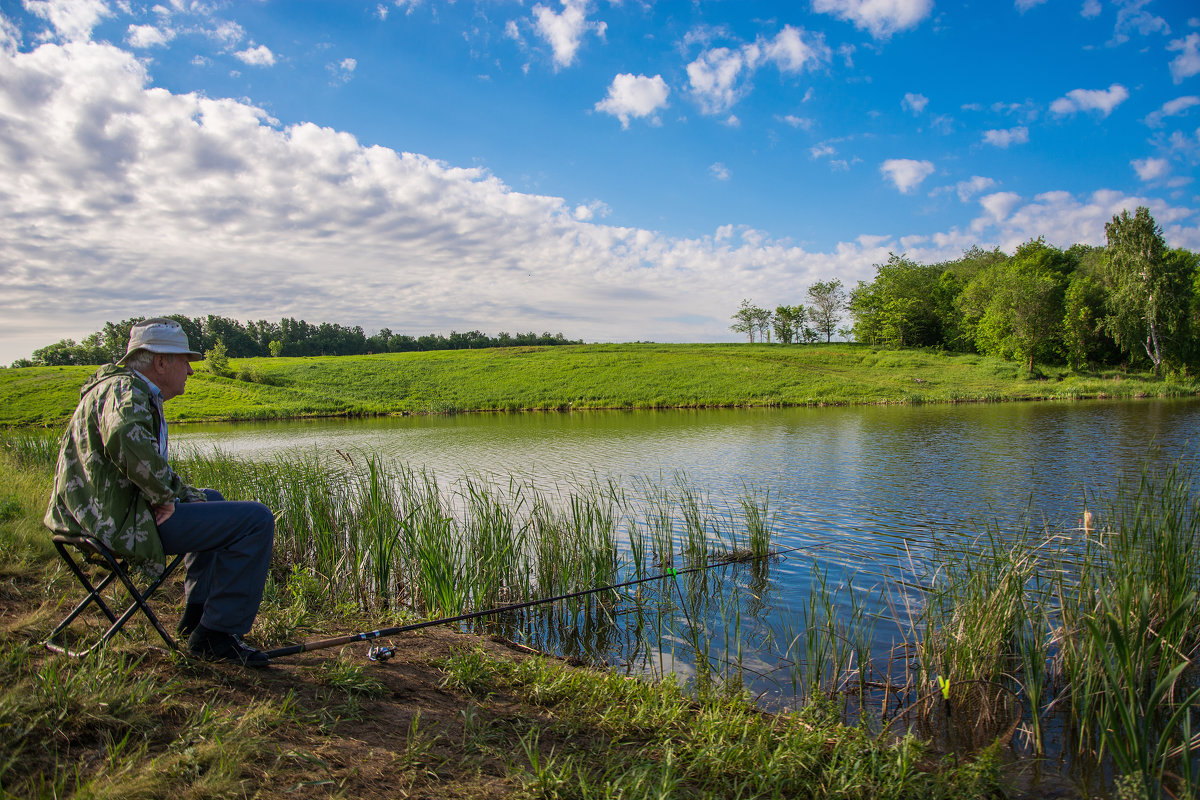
159, 335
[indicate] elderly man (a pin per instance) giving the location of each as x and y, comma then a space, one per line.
114, 483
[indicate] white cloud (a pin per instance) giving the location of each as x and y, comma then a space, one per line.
1150, 169
564, 31
821, 150
1004, 138
914, 102
148, 36
634, 96
1132, 17
720, 76
10, 35
227, 33
804, 123
260, 56
1187, 63
589, 211
714, 77
1063, 219
1025, 5
794, 49
408, 5
1172, 108
1091, 8
968, 189
881, 18
72, 19
720, 171
1101, 100
1000, 204
340, 72
906, 173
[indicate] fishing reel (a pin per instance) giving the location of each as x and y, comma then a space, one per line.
381, 652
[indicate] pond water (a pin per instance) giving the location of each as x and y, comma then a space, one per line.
876, 479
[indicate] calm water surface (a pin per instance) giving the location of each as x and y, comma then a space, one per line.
875, 477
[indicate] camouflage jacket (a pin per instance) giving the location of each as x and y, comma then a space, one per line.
110, 471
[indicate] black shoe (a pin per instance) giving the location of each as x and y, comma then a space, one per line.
191, 618
216, 646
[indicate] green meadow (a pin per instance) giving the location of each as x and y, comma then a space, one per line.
598, 376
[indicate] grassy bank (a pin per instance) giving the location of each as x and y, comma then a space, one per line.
452, 716
587, 376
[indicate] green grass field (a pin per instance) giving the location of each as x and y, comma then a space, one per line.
587, 377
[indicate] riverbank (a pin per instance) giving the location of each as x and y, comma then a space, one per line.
450, 716
602, 376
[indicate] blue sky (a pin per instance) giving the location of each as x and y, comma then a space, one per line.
611, 170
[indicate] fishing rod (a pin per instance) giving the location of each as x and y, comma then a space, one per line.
382, 654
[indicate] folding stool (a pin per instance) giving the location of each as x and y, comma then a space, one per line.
94, 552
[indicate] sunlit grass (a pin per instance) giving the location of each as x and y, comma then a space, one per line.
580, 377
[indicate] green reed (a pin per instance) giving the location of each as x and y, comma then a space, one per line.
1097, 629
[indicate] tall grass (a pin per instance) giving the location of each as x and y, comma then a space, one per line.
1097, 629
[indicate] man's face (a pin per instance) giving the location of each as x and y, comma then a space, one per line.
171, 373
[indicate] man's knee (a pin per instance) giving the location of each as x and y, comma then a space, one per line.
213, 495
263, 522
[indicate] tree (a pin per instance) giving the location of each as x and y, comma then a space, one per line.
788, 323
1148, 293
217, 358
746, 319
1014, 309
828, 301
762, 322
1083, 321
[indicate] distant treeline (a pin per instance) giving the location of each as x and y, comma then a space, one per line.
1133, 302
288, 337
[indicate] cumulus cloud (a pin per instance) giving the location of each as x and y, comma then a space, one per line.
72, 20
260, 56
720, 76
1151, 169
906, 173
127, 193
720, 171
881, 18
564, 31
1025, 5
1172, 108
968, 189
1102, 101
794, 49
914, 102
1091, 8
1187, 63
715, 77
143, 36
634, 96
1005, 138
1064, 219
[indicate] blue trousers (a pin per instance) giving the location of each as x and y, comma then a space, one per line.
228, 546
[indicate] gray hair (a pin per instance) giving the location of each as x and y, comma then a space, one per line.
142, 359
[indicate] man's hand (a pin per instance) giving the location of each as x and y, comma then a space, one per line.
163, 512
